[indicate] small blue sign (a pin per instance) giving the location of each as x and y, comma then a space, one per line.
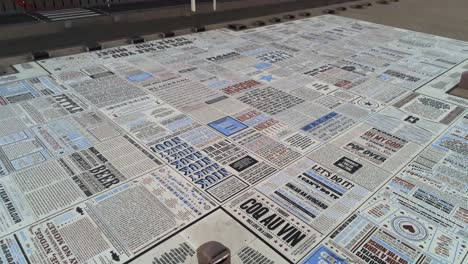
267, 78
319, 121
263, 65
323, 255
227, 125
139, 77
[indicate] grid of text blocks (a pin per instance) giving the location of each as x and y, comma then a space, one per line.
322, 140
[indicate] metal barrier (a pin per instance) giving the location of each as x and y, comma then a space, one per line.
31, 6
21, 6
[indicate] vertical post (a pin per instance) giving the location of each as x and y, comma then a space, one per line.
214, 5
194, 6
464, 80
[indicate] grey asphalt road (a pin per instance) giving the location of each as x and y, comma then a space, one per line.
103, 32
446, 18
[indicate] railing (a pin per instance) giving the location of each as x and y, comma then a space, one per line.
25, 6
21, 6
